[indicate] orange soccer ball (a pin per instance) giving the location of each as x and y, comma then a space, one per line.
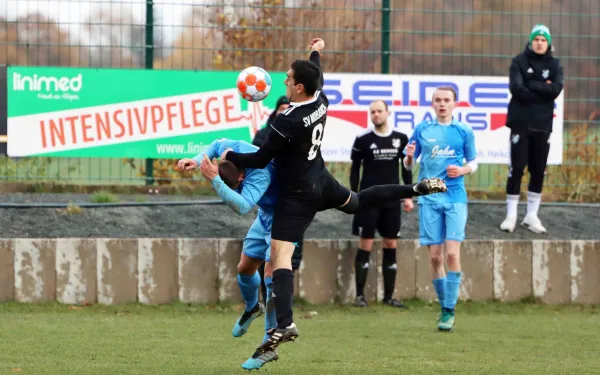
254, 84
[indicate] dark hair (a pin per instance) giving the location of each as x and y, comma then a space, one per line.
447, 88
308, 74
229, 173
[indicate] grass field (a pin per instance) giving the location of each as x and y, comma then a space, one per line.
133, 339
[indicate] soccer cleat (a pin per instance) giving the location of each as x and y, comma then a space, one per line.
446, 320
242, 325
278, 336
258, 359
395, 303
508, 225
430, 186
533, 223
360, 301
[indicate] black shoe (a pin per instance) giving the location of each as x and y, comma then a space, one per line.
395, 303
360, 301
430, 186
278, 336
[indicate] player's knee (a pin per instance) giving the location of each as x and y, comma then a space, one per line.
243, 268
352, 205
389, 243
452, 257
436, 257
436, 260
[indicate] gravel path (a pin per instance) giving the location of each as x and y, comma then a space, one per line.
562, 222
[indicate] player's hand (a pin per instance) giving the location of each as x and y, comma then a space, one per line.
454, 171
186, 164
410, 149
209, 169
317, 44
408, 205
224, 154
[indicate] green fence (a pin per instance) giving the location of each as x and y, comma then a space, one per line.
459, 37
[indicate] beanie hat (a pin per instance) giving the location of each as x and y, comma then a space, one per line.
542, 30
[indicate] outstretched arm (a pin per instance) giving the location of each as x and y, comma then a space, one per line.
274, 144
255, 185
316, 46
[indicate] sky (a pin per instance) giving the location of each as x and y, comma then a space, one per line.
71, 13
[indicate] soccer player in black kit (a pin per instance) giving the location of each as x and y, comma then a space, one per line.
306, 186
378, 151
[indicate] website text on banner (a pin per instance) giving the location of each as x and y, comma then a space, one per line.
170, 114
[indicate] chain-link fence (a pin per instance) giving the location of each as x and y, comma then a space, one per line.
456, 37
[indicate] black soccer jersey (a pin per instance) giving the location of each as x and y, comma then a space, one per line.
295, 143
381, 157
300, 165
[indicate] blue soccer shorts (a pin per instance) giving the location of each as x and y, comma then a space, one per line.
439, 222
257, 244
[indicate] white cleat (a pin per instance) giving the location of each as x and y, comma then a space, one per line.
509, 224
533, 223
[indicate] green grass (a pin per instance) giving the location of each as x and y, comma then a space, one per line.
104, 197
178, 339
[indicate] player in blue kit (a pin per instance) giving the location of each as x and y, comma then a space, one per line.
242, 190
443, 144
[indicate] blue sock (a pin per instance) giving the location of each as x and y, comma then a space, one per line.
440, 289
270, 316
452, 289
249, 288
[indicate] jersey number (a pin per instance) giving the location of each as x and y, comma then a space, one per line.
317, 137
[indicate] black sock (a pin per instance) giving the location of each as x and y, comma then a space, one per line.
388, 268
381, 194
263, 288
361, 269
283, 288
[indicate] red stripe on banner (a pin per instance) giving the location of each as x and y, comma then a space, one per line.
397, 102
347, 101
414, 103
497, 120
463, 104
360, 118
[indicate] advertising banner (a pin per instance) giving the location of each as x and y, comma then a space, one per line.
79, 112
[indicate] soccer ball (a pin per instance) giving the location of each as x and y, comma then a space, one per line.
254, 84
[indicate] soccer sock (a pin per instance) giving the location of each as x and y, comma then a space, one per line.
388, 268
381, 194
533, 202
361, 269
512, 203
283, 288
249, 288
270, 317
452, 289
440, 290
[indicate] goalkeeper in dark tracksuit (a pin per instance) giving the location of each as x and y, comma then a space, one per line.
536, 80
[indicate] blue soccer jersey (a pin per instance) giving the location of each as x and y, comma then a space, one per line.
440, 146
258, 187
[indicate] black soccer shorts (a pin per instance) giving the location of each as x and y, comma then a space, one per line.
296, 210
386, 220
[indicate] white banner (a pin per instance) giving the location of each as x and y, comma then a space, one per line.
482, 104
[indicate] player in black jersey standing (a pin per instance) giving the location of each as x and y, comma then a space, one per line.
378, 150
305, 185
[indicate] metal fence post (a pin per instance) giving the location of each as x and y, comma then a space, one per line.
149, 64
385, 36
